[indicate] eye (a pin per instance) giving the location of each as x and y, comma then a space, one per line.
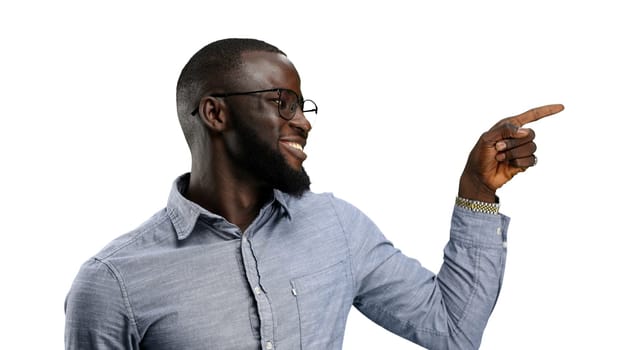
292, 107
284, 103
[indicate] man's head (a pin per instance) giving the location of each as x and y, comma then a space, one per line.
226, 116
215, 67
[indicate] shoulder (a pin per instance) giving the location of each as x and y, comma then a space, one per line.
323, 202
326, 209
151, 232
127, 248
102, 277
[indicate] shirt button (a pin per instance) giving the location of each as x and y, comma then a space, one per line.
269, 345
499, 230
257, 290
505, 244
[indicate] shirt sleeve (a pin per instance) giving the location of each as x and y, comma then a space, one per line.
444, 311
97, 312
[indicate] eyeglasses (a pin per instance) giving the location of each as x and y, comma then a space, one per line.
287, 101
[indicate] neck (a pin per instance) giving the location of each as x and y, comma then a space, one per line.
230, 196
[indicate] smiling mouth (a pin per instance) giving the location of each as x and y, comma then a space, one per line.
295, 149
295, 145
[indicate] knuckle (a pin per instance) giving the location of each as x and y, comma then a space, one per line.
507, 125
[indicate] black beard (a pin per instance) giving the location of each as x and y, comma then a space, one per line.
267, 164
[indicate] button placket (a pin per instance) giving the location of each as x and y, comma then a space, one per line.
264, 309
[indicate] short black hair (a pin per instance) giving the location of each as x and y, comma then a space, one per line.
211, 67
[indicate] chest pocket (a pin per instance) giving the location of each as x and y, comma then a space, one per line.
323, 299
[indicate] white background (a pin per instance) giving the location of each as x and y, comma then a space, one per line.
90, 144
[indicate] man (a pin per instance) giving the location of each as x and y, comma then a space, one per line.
244, 256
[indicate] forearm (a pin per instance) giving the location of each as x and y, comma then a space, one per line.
471, 276
444, 311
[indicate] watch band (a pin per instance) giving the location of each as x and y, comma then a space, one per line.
477, 206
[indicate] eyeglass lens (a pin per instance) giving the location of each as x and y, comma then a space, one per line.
290, 102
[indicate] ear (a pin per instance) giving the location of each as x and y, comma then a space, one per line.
213, 113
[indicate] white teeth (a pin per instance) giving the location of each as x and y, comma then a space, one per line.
295, 145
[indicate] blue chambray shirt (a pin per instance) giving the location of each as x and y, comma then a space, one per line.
189, 279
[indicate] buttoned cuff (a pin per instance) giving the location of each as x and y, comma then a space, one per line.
479, 229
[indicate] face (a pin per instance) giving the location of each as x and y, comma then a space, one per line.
267, 146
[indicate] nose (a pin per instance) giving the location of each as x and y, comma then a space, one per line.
299, 121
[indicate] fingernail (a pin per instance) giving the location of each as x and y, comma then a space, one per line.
500, 146
522, 132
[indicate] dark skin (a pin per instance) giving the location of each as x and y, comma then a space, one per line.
500, 153
223, 186
217, 183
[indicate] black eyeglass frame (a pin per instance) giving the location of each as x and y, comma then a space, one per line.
301, 102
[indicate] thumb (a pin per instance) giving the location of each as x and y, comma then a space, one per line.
521, 132
505, 131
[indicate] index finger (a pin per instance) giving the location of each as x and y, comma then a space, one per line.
535, 114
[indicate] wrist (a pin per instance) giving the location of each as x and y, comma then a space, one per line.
475, 190
478, 206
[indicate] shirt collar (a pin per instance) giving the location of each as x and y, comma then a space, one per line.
281, 198
184, 213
